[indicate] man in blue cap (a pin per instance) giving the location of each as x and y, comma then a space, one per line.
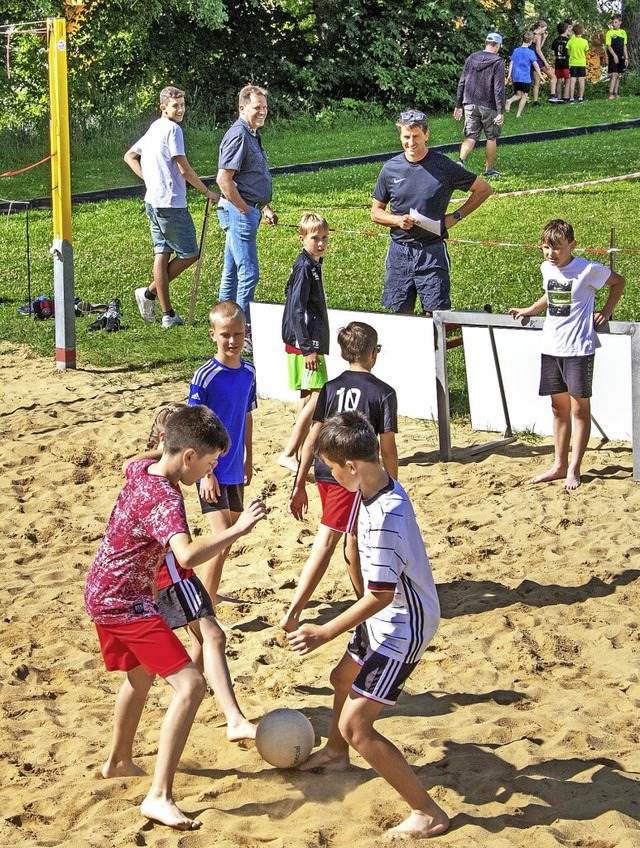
481, 94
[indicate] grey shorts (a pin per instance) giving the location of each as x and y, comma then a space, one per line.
172, 231
572, 374
183, 602
479, 118
231, 498
417, 271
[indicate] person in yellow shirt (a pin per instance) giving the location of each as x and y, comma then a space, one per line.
577, 49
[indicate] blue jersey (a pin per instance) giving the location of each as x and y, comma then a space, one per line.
231, 394
522, 59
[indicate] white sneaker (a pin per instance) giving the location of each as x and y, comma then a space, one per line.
247, 347
169, 321
147, 307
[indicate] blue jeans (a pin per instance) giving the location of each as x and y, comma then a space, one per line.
240, 268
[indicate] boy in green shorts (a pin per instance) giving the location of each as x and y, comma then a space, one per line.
305, 330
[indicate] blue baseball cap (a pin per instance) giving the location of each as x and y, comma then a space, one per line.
494, 38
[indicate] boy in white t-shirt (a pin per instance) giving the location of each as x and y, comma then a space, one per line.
159, 159
394, 621
569, 342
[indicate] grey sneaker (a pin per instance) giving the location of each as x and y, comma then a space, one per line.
147, 307
462, 162
172, 321
491, 172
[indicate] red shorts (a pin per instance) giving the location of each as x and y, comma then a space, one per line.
339, 507
148, 642
562, 73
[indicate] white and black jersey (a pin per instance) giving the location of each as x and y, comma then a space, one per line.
393, 558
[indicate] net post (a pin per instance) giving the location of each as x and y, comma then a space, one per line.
61, 249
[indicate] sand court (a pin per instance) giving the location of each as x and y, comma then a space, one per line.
522, 719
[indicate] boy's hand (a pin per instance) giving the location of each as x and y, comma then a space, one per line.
600, 318
209, 488
307, 638
312, 362
254, 511
519, 313
299, 502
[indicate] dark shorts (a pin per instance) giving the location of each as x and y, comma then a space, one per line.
417, 271
572, 374
578, 73
231, 498
173, 231
183, 602
147, 642
562, 73
616, 67
380, 678
522, 86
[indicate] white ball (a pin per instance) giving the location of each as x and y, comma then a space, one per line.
284, 738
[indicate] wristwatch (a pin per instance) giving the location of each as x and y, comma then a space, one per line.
457, 215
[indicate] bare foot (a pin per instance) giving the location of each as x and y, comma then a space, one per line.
573, 481
121, 769
165, 811
420, 826
289, 622
240, 728
556, 472
326, 759
289, 462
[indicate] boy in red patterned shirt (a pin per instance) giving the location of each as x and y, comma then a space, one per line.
148, 519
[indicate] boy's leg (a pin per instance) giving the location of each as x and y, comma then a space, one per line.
581, 82
130, 702
523, 99
334, 756
189, 689
581, 416
304, 414
561, 408
572, 88
322, 550
356, 727
212, 569
217, 674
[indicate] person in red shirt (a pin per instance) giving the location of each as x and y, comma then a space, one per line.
148, 519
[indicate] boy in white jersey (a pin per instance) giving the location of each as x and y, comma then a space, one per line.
394, 621
569, 342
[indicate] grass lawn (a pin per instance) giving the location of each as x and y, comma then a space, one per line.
112, 248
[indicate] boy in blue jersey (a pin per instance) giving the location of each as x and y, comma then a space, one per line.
522, 62
394, 621
227, 385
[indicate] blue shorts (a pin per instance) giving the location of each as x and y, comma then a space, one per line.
420, 270
380, 678
173, 231
231, 498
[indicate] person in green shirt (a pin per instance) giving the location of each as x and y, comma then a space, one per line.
615, 41
577, 49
